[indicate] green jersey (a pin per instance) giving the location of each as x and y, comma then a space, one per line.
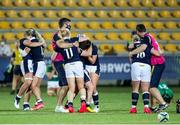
50, 69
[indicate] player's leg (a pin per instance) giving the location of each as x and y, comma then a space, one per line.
27, 96
16, 79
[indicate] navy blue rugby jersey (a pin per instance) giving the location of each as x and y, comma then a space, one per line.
22, 47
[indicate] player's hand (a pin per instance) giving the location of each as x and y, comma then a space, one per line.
76, 44
130, 54
27, 50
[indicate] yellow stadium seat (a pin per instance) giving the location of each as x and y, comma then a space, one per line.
94, 25
107, 25
161, 46
0, 37
50, 14
50, 48
119, 48
63, 13
54, 25
113, 36
42, 25
147, 3
11, 14
165, 14
95, 3
147, 24
70, 3
132, 25
58, 3
172, 3
81, 25
76, 14
20, 35
175, 36
101, 14
140, 14
108, 3
32, 3
114, 14
159, 3
12, 46
9, 36
171, 25
127, 14
25, 14
88, 14
45, 3
134, 3
164, 36
120, 25
29, 24
125, 36
105, 48
19, 3
89, 35
17, 25
152, 14
100, 36
178, 47
178, 24
2, 14
74, 34
37, 14
83, 3
176, 14
154, 35
48, 36
4, 25
158, 25
170, 47
121, 3
6, 3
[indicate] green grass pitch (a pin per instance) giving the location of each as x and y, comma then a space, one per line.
114, 104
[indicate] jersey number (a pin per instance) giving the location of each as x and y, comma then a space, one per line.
42, 51
141, 55
69, 53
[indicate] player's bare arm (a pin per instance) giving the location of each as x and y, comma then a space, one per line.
32, 44
138, 50
92, 58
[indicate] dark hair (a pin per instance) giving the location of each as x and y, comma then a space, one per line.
85, 44
62, 21
133, 32
30, 32
140, 28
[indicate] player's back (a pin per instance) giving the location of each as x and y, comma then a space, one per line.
22, 47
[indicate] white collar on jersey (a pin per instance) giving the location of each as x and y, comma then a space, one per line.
32, 38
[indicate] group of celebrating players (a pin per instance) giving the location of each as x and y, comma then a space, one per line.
74, 59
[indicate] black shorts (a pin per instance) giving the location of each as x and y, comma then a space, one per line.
17, 70
156, 75
61, 73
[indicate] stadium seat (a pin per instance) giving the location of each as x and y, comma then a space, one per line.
37, 14
16, 25
132, 25
94, 25
121, 3
70, 3
89, 34
125, 36
178, 47
76, 14
4, 25
170, 47
9, 36
25, 14
74, 34
96, 3
100, 36
119, 48
176, 13
171, 25
152, 14
175, 36
83, 3
159, 3
88, 14
113, 36
107, 25
50, 14
165, 14
54, 25
19, 35
11, 14
12, 46
50, 48
101, 14
108, 3
127, 14
147, 3
29, 24
81, 25
158, 25
114, 14
164, 36
161, 46
58, 3
105, 48
42, 25
32, 3
154, 34
45, 3
172, 3
134, 3
147, 24
48, 36
2, 14
120, 25
19, 3
6, 3
140, 14
0, 37
63, 13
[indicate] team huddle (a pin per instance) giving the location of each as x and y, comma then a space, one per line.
75, 61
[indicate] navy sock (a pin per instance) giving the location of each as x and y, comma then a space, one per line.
145, 97
135, 97
96, 98
70, 104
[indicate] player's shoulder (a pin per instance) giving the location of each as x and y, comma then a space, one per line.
74, 39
